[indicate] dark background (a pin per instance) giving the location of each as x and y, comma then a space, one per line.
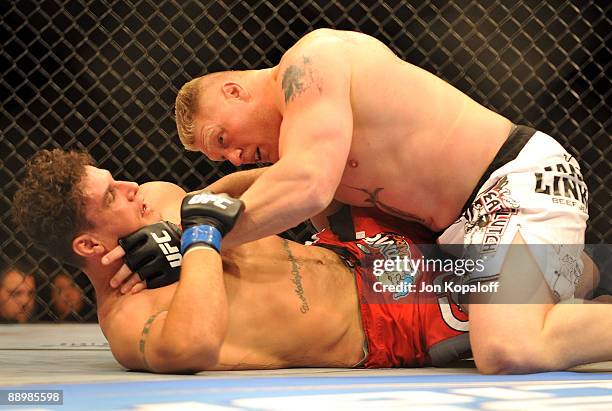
102, 75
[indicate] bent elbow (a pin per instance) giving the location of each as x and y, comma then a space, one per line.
320, 195
206, 357
186, 359
319, 201
310, 186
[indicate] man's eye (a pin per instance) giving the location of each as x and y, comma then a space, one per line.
221, 140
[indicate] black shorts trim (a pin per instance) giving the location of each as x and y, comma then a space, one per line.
518, 138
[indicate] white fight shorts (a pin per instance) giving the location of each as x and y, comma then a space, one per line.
535, 188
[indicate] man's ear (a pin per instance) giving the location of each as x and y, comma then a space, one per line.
87, 245
235, 90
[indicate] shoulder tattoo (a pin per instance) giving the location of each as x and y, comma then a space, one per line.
298, 78
292, 82
143, 337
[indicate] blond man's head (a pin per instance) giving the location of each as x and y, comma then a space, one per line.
189, 102
229, 115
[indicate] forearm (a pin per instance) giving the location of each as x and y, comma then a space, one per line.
235, 184
198, 314
280, 199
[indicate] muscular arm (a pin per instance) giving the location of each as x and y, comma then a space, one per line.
235, 184
188, 335
315, 140
195, 326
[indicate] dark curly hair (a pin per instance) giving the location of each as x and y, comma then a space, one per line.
50, 205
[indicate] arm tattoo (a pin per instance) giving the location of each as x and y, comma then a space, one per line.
293, 83
297, 278
373, 199
297, 80
144, 335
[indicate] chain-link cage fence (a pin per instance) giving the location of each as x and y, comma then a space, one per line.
102, 75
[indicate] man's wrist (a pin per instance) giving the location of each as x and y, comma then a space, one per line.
201, 234
199, 246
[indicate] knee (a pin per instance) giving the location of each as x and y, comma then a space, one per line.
504, 357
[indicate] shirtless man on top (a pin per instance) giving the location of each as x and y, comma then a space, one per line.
342, 117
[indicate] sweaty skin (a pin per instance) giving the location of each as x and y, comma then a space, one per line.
356, 124
288, 304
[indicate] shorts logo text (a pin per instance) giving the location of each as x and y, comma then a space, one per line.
490, 214
563, 180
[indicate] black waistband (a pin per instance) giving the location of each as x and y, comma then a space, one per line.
341, 224
519, 136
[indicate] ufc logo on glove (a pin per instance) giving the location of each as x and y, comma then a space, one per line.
172, 253
217, 201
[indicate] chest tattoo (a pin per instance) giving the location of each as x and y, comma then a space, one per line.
373, 199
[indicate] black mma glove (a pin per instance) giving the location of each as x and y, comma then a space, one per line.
153, 253
206, 218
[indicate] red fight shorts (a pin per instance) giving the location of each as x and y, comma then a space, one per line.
406, 327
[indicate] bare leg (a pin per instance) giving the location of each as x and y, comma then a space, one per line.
522, 338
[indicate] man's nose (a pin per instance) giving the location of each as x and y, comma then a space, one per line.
131, 189
234, 156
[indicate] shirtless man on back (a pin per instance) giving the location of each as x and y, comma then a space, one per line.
271, 303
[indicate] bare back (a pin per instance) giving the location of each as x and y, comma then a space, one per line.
289, 305
419, 145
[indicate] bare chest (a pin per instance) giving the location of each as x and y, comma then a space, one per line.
385, 172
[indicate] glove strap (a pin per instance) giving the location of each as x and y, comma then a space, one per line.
201, 234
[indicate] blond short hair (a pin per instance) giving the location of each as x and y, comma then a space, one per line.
184, 110
186, 105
